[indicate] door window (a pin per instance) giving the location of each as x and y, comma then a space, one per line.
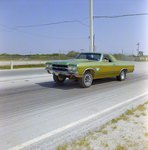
106, 58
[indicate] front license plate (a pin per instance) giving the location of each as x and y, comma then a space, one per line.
56, 74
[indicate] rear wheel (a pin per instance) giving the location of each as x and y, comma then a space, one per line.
86, 80
122, 75
58, 79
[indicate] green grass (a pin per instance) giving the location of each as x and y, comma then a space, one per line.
62, 147
143, 114
5, 67
22, 66
104, 131
114, 127
124, 117
82, 141
105, 144
119, 147
90, 133
133, 109
137, 116
114, 120
129, 112
141, 108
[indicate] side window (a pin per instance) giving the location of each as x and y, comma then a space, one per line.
107, 58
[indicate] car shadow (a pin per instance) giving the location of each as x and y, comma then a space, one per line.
68, 84
104, 80
64, 86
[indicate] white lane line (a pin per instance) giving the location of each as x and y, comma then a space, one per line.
23, 145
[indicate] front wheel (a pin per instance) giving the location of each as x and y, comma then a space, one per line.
58, 79
86, 80
121, 76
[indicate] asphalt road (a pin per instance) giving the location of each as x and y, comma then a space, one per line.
31, 104
22, 72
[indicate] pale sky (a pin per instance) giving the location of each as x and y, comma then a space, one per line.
112, 35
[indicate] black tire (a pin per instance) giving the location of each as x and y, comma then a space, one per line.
58, 79
86, 80
122, 75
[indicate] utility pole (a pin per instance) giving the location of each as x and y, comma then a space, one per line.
59, 54
91, 24
94, 48
138, 50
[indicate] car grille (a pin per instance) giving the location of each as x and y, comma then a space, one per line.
60, 67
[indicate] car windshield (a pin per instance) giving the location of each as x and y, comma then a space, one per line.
89, 56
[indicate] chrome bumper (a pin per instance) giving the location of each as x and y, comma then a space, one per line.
65, 73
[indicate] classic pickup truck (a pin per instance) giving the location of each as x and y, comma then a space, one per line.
88, 66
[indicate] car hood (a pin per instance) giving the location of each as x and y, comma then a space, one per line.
72, 61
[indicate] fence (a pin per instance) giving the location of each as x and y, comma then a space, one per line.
30, 60
124, 57
40, 60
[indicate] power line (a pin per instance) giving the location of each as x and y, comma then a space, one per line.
128, 15
78, 21
55, 23
46, 36
48, 24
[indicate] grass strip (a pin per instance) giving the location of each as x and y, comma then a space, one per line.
22, 66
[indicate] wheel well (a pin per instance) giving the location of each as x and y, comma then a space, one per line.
125, 69
91, 71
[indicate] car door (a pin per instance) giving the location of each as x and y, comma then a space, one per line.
107, 66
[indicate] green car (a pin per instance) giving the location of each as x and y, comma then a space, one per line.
88, 66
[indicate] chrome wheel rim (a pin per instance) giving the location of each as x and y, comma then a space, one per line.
122, 75
88, 79
60, 78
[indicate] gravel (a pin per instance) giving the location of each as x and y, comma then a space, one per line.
121, 133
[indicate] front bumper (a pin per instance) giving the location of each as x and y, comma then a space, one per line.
65, 73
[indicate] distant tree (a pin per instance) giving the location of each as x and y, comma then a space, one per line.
5, 54
49, 55
72, 54
16, 55
55, 54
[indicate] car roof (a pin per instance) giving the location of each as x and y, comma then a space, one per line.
94, 53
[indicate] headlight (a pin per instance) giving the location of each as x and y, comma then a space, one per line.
74, 68
70, 68
47, 65
50, 66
